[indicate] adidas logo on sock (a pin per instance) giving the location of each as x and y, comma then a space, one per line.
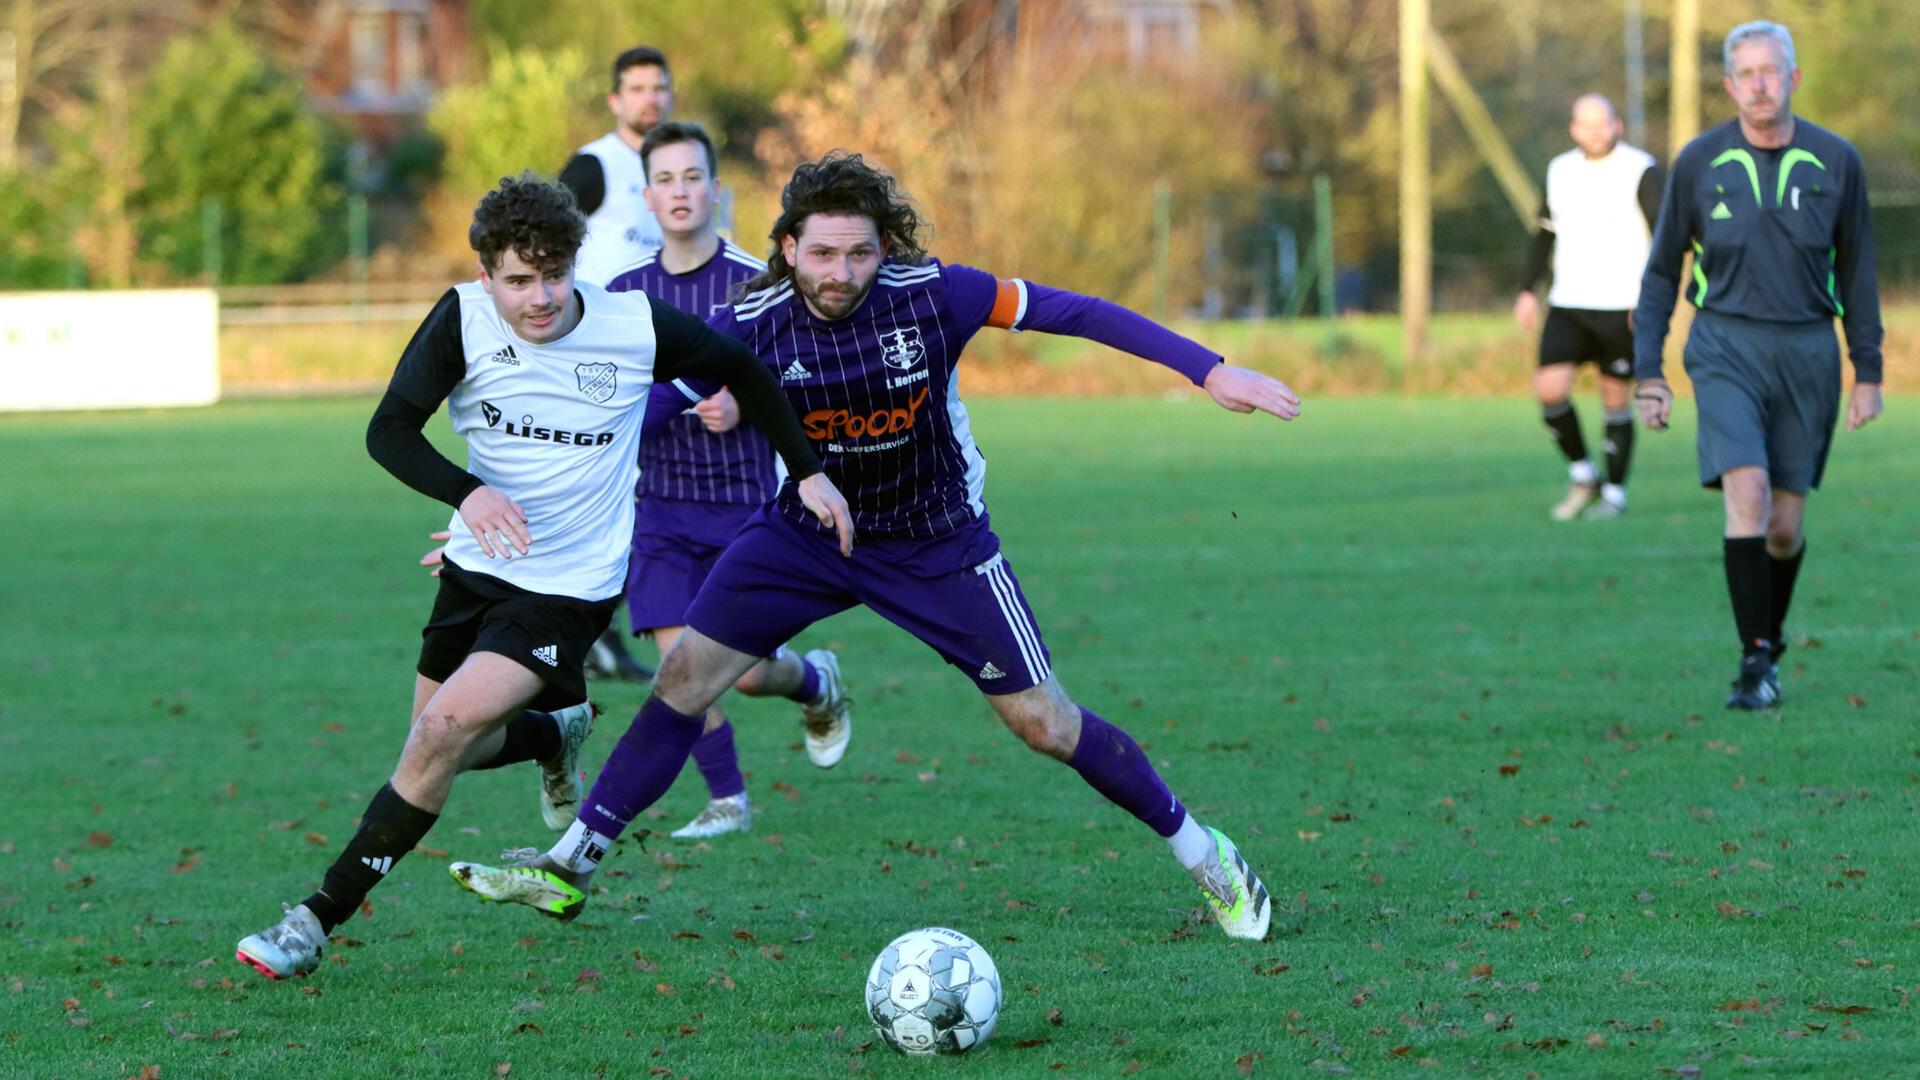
992, 672
548, 655
796, 370
380, 865
505, 356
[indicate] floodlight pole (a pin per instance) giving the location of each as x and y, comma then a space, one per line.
1416, 172
1683, 109
1636, 73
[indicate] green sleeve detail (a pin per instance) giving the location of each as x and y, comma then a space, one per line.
1699, 276
1787, 161
1740, 155
1839, 308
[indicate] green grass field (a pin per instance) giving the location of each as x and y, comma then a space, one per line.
1480, 758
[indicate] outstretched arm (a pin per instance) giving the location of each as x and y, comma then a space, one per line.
1021, 305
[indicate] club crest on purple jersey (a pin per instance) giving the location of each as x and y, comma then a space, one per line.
596, 381
901, 348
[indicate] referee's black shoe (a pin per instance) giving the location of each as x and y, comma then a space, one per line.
609, 659
1758, 685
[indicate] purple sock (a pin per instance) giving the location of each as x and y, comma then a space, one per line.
719, 764
809, 689
642, 767
1114, 764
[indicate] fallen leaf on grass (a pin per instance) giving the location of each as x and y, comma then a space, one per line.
1856, 701
314, 838
1245, 1062
96, 838
1480, 971
1509, 769
1844, 1010
1055, 1017
1028, 1044
187, 864
529, 1027
505, 1068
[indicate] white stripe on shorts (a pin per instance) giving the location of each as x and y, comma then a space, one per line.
1023, 632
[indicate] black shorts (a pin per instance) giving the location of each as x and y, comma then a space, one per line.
548, 635
1768, 395
1579, 335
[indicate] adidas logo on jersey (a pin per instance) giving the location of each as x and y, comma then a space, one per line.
548, 655
1720, 212
992, 672
505, 356
380, 865
796, 370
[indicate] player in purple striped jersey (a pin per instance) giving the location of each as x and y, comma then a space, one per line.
702, 475
866, 333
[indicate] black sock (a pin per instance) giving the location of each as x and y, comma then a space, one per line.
1619, 444
1784, 573
388, 830
1564, 422
531, 736
1750, 584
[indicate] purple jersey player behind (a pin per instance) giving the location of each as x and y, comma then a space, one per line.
702, 475
865, 332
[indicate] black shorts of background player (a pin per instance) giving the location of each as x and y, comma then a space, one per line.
1602, 197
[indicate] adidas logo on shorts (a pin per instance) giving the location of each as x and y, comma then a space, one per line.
796, 370
992, 672
548, 655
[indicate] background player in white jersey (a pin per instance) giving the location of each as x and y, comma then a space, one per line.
606, 176
866, 331
548, 382
1602, 199
608, 182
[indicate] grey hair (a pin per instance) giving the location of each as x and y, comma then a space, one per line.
1750, 31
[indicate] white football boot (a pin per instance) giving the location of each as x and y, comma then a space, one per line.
560, 788
728, 815
1236, 895
287, 948
829, 721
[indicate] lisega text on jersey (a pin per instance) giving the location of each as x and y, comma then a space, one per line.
526, 429
827, 424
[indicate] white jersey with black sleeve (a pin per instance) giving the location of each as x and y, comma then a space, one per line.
621, 229
555, 427
1600, 228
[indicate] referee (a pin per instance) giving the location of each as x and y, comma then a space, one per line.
1775, 212
1602, 199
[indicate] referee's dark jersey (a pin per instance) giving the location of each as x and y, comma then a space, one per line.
1777, 236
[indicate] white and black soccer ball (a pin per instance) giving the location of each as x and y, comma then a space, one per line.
933, 991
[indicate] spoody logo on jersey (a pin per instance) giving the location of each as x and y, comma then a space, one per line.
526, 429
825, 424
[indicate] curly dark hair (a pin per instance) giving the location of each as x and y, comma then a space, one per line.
531, 217
841, 183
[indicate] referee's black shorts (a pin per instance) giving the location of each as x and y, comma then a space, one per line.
1580, 335
1768, 395
548, 635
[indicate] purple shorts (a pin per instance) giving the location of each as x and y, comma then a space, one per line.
675, 545
955, 593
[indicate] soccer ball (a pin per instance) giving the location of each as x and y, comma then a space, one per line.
933, 991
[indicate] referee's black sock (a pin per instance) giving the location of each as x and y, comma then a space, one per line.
1784, 573
1619, 444
388, 830
1564, 422
530, 736
1750, 584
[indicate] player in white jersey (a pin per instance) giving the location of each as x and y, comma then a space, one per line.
606, 176
547, 380
1596, 227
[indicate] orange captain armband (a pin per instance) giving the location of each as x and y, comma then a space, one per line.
1009, 304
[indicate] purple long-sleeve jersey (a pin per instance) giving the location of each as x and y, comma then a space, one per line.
680, 459
877, 391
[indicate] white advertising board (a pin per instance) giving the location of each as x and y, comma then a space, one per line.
109, 350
